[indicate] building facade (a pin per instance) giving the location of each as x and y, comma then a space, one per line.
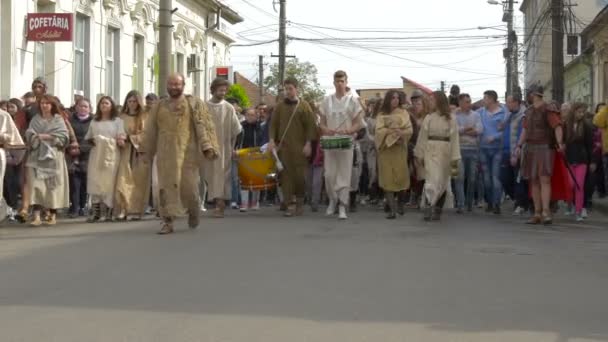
538, 31
596, 38
114, 47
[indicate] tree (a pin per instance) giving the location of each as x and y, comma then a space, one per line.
236, 91
304, 72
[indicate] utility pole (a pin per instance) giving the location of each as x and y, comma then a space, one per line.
515, 77
261, 78
165, 13
508, 17
282, 43
557, 41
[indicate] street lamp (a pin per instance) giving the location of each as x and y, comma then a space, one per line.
494, 2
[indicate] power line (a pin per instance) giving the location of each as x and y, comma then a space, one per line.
409, 59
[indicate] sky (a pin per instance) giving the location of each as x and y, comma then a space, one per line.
379, 41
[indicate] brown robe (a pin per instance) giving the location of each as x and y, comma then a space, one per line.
392, 150
134, 171
178, 137
302, 129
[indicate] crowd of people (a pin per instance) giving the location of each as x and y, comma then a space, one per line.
174, 154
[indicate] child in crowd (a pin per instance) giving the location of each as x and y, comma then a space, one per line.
251, 136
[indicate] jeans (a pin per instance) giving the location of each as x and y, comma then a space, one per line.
12, 185
467, 173
78, 191
317, 184
490, 159
236, 187
514, 186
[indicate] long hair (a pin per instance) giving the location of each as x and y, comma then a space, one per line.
377, 108
386, 104
18, 103
442, 104
140, 102
139, 115
50, 99
572, 133
113, 110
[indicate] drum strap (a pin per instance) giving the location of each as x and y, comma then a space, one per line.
293, 114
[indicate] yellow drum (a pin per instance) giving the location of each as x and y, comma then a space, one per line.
257, 170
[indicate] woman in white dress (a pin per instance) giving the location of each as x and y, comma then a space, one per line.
107, 135
437, 151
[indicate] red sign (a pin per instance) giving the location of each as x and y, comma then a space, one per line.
222, 71
50, 27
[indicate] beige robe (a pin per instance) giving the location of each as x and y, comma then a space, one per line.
178, 136
393, 172
103, 162
48, 194
134, 170
217, 173
9, 139
438, 156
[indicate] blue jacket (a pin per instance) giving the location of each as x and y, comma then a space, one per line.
491, 127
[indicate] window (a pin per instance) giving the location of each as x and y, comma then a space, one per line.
39, 59
112, 63
194, 62
573, 44
81, 56
179, 64
138, 63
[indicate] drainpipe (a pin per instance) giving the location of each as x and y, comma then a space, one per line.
591, 78
207, 32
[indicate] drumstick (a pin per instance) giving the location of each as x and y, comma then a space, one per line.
277, 160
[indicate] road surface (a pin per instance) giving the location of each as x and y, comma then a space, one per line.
261, 277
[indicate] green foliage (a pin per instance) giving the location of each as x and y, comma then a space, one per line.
236, 91
304, 72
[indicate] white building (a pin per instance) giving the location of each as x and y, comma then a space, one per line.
114, 47
537, 36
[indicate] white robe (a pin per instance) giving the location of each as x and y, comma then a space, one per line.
437, 156
103, 160
9, 138
338, 164
217, 172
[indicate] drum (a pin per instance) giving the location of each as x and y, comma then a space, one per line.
257, 170
337, 142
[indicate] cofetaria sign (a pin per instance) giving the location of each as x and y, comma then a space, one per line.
50, 27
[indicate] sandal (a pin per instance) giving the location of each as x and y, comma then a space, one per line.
193, 221
547, 220
166, 229
534, 220
22, 216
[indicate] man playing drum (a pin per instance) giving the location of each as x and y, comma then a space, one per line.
341, 115
292, 128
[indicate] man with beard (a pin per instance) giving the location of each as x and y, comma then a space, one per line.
218, 173
178, 130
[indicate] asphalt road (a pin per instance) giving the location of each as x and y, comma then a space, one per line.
261, 277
